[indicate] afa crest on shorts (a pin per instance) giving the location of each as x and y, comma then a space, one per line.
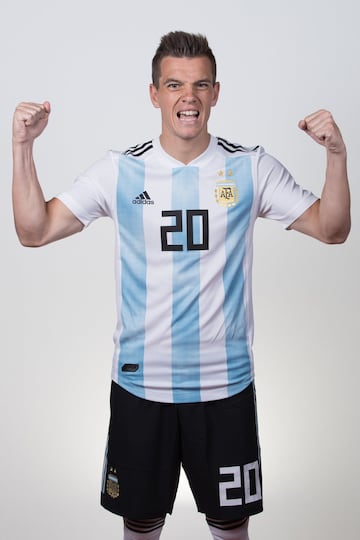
226, 191
112, 484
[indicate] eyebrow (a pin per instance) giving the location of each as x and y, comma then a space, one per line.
170, 80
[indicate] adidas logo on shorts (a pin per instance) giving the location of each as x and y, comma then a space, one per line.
143, 198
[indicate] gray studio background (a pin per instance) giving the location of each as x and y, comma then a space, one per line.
278, 61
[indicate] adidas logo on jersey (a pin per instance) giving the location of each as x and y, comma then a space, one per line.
143, 198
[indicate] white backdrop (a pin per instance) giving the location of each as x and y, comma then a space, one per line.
278, 61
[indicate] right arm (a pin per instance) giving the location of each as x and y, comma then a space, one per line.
37, 221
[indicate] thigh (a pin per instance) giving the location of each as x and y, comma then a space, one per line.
141, 468
221, 456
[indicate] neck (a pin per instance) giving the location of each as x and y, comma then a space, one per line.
185, 150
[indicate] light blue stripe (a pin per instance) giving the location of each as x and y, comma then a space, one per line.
238, 356
133, 278
186, 290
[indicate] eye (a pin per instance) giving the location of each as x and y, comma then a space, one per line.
203, 84
173, 85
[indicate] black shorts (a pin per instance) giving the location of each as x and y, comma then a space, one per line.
216, 442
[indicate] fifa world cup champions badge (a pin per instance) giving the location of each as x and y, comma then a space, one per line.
226, 191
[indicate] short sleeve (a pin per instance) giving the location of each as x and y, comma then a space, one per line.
92, 194
280, 197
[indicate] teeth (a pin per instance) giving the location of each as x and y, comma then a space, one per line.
188, 113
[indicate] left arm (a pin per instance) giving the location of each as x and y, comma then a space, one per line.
328, 219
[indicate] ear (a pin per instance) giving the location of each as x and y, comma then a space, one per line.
216, 94
154, 96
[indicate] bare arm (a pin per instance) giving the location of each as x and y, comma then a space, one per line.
328, 219
37, 221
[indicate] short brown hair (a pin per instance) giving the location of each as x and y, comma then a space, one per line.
181, 44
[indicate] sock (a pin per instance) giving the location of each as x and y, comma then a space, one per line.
147, 529
229, 530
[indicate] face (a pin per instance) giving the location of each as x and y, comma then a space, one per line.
185, 96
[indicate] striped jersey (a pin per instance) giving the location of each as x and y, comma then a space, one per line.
183, 261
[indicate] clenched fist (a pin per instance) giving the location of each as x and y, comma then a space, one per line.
30, 120
323, 129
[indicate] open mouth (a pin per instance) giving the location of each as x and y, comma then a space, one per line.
188, 114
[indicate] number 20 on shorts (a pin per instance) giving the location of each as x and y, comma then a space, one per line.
246, 478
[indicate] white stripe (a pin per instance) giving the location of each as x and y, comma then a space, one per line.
157, 369
105, 466
213, 373
118, 275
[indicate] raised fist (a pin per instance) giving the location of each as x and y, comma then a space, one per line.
30, 120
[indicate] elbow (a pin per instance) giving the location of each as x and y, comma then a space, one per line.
29, 240
336, 240
337, 237
30, 243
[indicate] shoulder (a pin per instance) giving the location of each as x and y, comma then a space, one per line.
236, 148
139, 150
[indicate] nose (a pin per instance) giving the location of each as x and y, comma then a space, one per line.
189, 95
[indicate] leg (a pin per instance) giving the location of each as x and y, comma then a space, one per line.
223, 467
229, 530
147, 529
142, 461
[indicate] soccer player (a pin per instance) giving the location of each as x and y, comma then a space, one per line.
184, 206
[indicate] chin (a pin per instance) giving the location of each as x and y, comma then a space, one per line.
190, 134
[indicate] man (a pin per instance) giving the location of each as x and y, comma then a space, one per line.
184, 207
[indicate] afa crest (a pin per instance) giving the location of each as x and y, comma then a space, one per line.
226, 193
112, 484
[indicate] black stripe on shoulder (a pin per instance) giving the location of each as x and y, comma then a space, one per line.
233, 148
139, 149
